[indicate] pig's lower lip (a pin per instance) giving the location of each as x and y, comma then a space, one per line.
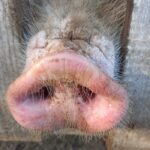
101, 110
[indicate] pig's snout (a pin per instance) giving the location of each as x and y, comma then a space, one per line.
66, 90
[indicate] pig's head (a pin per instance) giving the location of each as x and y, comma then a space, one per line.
70, 80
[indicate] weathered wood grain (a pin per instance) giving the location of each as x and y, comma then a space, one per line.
137, 76
137, 81
10, 67
127, 139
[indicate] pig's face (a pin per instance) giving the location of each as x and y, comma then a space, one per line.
69, 80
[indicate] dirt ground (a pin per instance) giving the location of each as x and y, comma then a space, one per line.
56, 143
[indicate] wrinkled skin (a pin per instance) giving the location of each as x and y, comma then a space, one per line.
70, 80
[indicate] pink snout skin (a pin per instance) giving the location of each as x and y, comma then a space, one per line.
99, 114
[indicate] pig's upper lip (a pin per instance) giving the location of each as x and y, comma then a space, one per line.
80, 70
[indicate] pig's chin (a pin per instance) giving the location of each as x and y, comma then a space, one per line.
66, 90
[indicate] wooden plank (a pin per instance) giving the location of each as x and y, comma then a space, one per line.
10, 68
137, 76
137, 80
127, 139
23, 138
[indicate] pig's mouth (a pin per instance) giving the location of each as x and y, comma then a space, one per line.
66, 90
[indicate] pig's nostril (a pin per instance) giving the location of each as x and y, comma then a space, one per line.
43, 93
86, 93
58, 90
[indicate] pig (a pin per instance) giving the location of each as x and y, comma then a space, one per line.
73, 67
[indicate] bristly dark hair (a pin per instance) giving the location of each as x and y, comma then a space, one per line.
77, 19
91, 14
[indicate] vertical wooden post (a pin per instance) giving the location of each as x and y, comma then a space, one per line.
10, 66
